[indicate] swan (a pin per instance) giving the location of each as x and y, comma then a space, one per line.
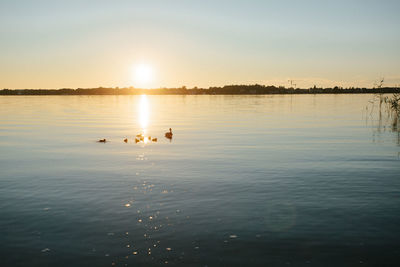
169, 134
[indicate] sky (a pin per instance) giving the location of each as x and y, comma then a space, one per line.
85, 44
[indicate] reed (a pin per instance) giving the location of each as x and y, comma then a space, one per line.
388, 107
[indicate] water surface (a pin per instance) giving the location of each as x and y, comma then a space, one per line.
306, 180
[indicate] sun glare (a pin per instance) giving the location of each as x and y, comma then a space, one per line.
143, 75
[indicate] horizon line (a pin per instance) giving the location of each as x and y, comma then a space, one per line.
208, 88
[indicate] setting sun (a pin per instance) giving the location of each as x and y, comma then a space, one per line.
143, 75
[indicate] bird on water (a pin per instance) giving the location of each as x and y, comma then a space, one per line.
169, 134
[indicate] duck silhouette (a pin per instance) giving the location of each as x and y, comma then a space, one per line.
169, 134
126, 140
102, 140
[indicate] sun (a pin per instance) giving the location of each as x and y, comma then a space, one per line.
143, 75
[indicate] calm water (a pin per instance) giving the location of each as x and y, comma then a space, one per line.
246, 180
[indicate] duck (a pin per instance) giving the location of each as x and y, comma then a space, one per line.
154, 139
102, 140
169, 134
137, 140
126, 140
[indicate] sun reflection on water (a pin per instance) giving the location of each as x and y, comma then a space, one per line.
144, 113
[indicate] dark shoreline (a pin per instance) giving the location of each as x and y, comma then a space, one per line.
226, 90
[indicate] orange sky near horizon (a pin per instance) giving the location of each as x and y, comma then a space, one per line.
75, 44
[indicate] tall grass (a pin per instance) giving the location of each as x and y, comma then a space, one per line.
393, 107
388, 106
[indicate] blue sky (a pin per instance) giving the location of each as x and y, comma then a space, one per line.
54, 44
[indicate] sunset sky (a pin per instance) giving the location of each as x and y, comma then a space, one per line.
71, 44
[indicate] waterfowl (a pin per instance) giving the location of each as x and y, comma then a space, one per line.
102, 140
137, 140
149, 138
169, 134
154, 139
126, 140
139, 135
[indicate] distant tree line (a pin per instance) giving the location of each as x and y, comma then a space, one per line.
225, 90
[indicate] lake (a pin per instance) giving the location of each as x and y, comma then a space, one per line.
281, 180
